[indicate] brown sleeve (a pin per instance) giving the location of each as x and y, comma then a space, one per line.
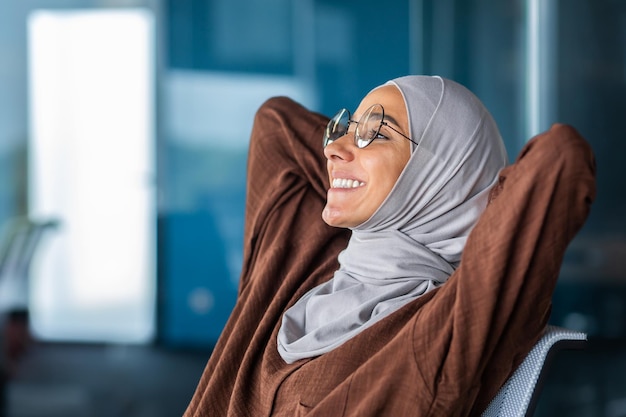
286, 182
495, 306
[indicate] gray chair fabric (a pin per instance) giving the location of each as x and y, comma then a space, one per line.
518, 396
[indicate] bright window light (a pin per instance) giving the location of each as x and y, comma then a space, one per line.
91, 163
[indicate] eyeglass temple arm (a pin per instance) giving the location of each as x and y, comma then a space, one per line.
398, 132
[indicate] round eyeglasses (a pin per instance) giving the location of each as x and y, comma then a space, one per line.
367, 128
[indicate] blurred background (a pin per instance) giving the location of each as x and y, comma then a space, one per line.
123, 136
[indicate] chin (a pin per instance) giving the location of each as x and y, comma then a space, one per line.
333, 220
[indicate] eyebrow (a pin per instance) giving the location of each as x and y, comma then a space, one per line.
393, 121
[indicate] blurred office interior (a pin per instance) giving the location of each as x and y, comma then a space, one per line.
123, 139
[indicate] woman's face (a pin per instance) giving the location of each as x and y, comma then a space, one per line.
375, 168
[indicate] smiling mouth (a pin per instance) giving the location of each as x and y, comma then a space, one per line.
346, 183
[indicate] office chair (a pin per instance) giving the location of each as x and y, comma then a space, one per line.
18, 244
519, 395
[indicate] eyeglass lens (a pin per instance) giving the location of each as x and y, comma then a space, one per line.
366, 130
337, 127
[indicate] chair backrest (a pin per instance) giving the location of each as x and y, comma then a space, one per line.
518, 396
18, 245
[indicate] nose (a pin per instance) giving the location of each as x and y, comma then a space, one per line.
341, 149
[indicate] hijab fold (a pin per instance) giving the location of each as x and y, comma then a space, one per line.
415, 239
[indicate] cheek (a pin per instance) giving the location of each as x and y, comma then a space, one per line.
390, 168
401, 159
390, 173
383, 176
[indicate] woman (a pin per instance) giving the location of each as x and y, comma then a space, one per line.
322, 329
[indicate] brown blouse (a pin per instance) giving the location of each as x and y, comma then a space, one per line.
445, 354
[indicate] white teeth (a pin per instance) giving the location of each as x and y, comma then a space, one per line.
346, 183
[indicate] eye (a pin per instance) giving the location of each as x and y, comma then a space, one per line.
371, 133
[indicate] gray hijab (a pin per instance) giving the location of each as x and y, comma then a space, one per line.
415, 239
